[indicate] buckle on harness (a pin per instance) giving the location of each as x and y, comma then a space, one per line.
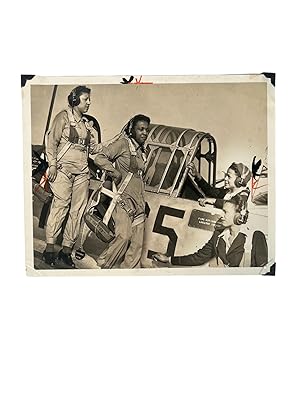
64, 171
123, 204
81, 141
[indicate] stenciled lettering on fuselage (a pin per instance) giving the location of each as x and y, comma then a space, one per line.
176, 226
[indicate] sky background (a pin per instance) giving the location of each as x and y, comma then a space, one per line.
234, 113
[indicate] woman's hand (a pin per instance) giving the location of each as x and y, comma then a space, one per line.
206, 200
193, 171
161, 257
52, 173
116, 176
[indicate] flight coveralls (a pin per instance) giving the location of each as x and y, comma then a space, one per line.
76, 138
241, 252
129, 214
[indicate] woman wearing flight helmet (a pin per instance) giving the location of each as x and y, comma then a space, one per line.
70, 140
235, 183
127, 153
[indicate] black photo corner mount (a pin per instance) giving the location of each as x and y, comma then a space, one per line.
272, 270
25, 78
270, 75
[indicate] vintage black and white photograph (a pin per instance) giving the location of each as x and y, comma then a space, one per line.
149, 174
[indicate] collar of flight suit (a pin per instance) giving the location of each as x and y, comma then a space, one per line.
133, 145
237, 241
137, 146
73, 116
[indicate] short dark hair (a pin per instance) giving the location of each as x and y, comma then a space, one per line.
139, 117
73, 98
133, 121
238, 201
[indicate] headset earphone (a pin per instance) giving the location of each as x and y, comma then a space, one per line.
74, 96
128, 127
240, 180
241, 216
75, 99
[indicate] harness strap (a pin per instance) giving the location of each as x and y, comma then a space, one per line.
63, 151
115, 195
73, 123
138, 220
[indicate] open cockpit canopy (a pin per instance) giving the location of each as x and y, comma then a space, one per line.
169, 150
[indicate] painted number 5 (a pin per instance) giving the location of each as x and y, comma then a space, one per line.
163, 230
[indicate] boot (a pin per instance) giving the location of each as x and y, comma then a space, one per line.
49, 258
67, 259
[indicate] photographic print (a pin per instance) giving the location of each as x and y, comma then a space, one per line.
149, 174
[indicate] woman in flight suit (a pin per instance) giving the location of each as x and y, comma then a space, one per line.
128, 154
68, 143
